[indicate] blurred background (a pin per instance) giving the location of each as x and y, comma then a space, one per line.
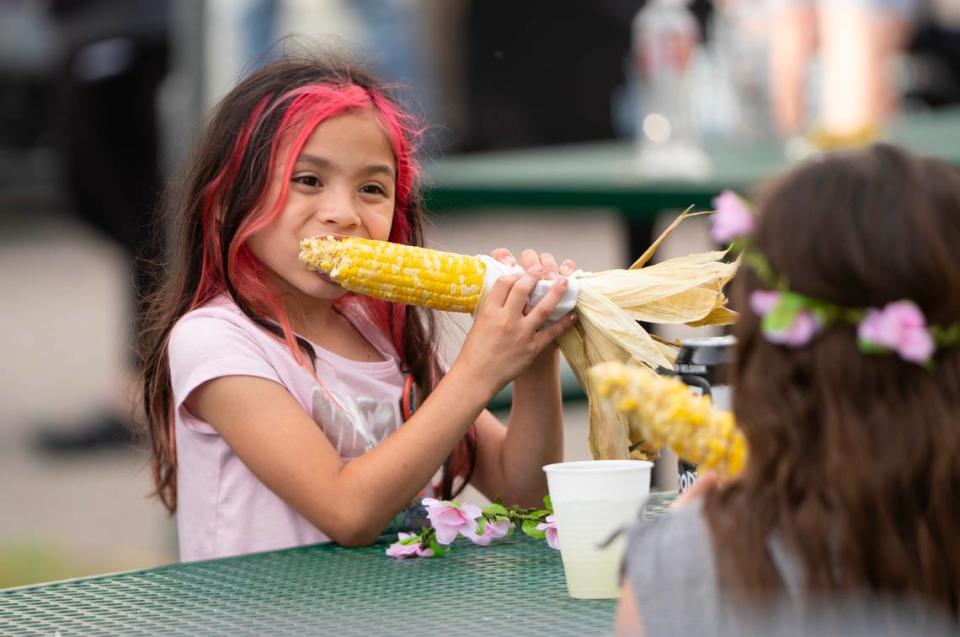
101, 99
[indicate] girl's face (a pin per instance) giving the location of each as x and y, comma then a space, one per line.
342, 184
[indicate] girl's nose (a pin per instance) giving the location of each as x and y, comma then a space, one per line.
338, 211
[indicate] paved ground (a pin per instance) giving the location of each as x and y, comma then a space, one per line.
62, 334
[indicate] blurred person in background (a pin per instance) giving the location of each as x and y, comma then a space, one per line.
115, 55
28, 49
857, 41
934, 71
542, 72
852, 480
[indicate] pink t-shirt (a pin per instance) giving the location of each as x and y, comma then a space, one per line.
223, 509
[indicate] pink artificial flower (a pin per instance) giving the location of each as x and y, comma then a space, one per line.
491, 531
732, 218
804, 327
450, 518
400, 550
550, 530
763, 301
901, 327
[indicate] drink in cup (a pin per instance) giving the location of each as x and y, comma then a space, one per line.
592, 500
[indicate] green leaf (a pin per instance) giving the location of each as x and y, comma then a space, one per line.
759, 264
495, 509
481, 524
783, 314
541, 514
946, 336
437, 548
547, 503
869, 347
413, 539
823, 313
530, 528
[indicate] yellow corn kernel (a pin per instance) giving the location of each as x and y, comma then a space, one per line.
661, 410
399, 273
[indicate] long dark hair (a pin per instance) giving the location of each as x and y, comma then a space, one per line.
854, 458
220, 203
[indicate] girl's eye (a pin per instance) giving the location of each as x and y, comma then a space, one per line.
308, 180
374, 189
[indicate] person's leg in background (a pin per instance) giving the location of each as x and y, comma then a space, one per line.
110, 145
793, 39
858, 42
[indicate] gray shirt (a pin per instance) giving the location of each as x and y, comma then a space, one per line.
671, 567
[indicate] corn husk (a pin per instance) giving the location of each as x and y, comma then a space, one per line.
684, 290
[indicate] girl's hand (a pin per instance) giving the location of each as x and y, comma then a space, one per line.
506, 337
530, 258
552, 270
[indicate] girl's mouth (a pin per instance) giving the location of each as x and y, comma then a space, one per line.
326, 278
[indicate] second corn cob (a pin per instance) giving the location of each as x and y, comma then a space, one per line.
661, 410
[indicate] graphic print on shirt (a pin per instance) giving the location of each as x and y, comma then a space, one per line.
357, 425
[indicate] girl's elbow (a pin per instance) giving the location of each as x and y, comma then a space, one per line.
355, 537
352, 530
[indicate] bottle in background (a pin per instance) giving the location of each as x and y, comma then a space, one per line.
739, 47
665, 40
704, 365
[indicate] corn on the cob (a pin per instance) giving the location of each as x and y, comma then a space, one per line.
663, 411
399, 273
680, 290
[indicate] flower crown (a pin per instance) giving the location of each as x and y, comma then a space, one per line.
792, 319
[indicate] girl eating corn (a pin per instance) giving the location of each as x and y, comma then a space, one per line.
847, 392
274, 398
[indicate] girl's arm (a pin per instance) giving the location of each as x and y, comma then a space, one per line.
353, 502
510, 459
629, 622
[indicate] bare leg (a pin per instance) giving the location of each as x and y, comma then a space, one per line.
792, 40
892, 35
857, 45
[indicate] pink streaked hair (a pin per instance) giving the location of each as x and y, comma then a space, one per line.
223, 202
306, 107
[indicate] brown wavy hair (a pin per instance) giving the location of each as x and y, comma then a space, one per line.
220, 202
854, 458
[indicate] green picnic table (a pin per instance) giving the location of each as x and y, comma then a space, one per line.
515, 586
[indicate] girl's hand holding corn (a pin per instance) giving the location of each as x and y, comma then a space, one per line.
509, 337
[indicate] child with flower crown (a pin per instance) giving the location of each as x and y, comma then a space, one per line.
274, 399
847, 389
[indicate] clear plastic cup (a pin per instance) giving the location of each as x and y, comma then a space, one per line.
591, 500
